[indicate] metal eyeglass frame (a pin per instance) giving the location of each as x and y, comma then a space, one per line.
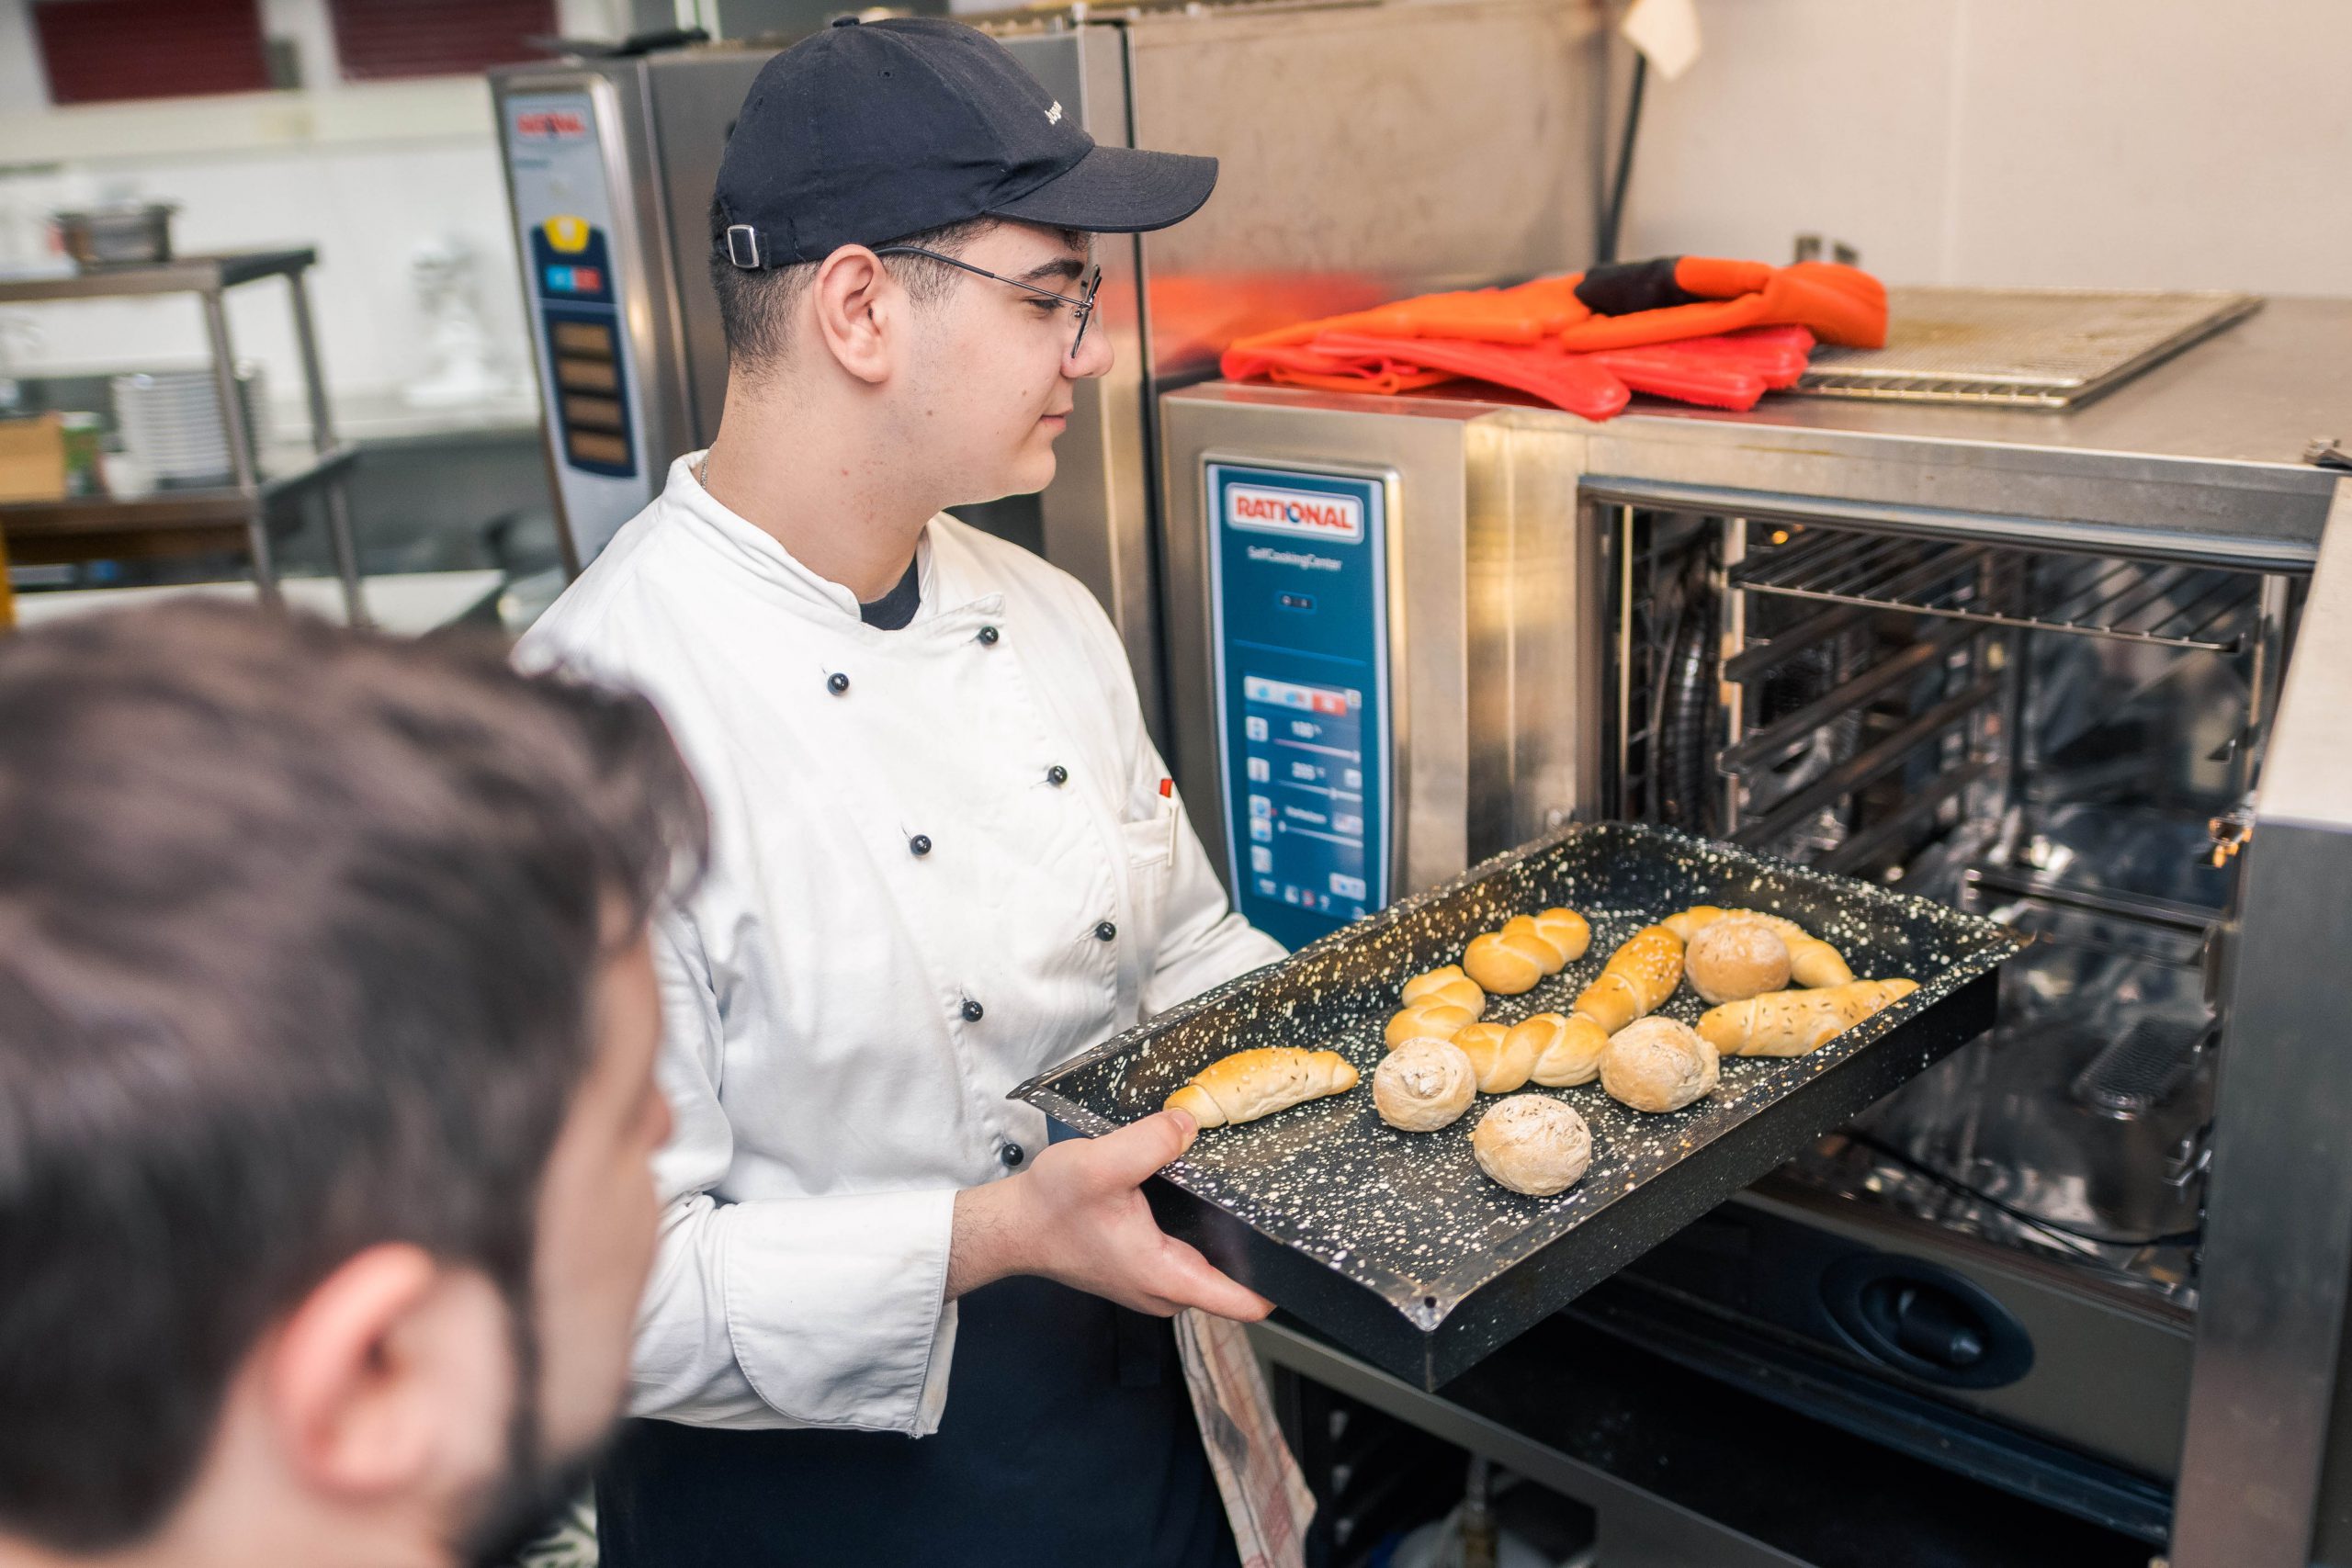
1082, 303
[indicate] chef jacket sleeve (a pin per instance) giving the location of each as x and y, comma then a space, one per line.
804, 1312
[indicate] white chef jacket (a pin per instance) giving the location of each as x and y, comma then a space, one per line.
905, 915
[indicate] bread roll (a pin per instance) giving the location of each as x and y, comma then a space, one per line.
1789, 1023
1428, 1019
1501, 1057
1423, 1085
1656, 1064
1735, 958
1251, 1084
1565, 930
1448, 985
1812, 962
1639, 975
1564, 1051
1507, 965
1529, 947
1532, 1143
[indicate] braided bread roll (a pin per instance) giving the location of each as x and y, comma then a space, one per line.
1423, 1085
1789, 1023
1812, 962
1564, 1051
1639, 975
1529, 947
1501, 1057
1446, 984
1251, 1084
1428, 1019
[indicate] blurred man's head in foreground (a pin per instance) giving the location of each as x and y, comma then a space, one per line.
327, 1023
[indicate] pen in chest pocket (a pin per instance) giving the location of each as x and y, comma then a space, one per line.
1168, 793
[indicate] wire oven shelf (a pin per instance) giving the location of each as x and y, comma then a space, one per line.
2162, 602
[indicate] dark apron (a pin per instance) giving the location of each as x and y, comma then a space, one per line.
1068, 1439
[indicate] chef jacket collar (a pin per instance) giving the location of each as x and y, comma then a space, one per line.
946, 592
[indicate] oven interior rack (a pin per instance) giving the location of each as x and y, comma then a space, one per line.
2162, 602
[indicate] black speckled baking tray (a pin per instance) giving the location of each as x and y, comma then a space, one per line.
1395, 1244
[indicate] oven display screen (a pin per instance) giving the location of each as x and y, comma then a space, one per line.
1300, 587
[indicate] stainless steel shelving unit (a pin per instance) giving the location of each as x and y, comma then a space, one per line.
202, 517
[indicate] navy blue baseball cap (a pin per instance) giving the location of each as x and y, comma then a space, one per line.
866, 133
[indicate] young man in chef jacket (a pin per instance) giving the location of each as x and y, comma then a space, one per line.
887, 1323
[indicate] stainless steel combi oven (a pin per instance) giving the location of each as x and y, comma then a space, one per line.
1365, 152
2085, 673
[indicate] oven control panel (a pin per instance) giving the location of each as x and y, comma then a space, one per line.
573, 278
1299, 593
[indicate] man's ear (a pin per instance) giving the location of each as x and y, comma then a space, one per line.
861, 311
392, 1376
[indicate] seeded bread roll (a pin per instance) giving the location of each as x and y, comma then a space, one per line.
1658, 1065
1789, 1023
1532, 1143
1735, 958
1423, 1085
1251, 1084
1639, 975
1565, 1049
1501, 1057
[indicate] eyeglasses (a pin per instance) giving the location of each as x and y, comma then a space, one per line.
1082, 304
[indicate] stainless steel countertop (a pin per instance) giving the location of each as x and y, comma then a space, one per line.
2199, 458
2254, 392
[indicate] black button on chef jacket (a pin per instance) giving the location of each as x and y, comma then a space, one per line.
1069, 1441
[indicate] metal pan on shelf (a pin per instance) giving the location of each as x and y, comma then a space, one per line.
1394, 1244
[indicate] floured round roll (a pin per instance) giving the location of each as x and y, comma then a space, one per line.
1501, 1057
1532, 1143
1736, 958
1448, 985
1656, 1064
1423, 1085
1428, 1019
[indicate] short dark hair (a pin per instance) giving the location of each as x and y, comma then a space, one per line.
298, 932
754, 305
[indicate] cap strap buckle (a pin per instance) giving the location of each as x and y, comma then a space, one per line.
743, 246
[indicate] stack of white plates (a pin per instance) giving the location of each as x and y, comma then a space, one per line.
170, 422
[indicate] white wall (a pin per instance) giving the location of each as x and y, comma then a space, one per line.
2142, 144
363, 171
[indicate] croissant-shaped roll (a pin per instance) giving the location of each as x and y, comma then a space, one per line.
1639, 975
1789, 1023
1565, 1051
1428, 1019
1447, 984
1527, 948
1812, 962
1501, 1057
1688, 923
1251, 1084
1423, 1085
